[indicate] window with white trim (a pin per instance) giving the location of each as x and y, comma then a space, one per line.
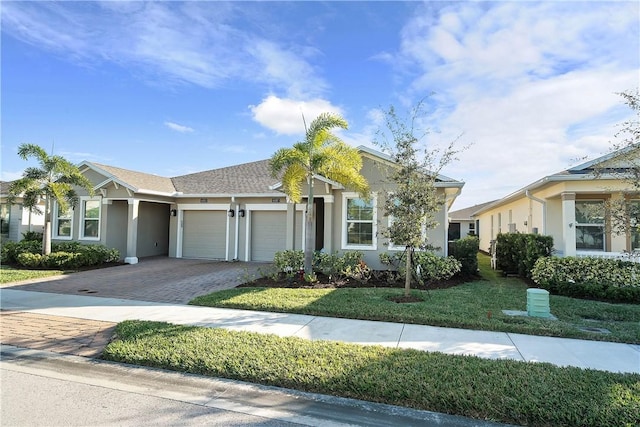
62, 223
590, 225
635, 224
359, 222
90, 219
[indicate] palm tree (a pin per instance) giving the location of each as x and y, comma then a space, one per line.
321, 153
55, 180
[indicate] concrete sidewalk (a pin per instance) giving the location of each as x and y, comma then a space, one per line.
614, 357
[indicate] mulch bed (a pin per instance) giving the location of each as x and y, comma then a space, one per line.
324, 282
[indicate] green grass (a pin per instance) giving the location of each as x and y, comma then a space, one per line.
476, 305
9, 274
507, 391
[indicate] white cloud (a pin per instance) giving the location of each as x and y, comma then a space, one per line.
284, 115
178, 128
200, 43
532, 85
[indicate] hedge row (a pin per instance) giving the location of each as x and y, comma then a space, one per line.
66, 255
595, 278
466, 251
517, 253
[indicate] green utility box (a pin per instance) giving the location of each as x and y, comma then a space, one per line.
538, 303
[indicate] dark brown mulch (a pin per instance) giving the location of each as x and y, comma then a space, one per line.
376, 281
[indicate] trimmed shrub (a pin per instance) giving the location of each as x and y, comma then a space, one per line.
428, 267
32, 236
517, 253
29, 260
289, 261
337, 266
594, 278
66, 255
63, 260
11, 250
466, 251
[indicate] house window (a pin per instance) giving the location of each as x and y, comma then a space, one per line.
359, 222
5, 218
635, 224
90, 220
590, 225
62, 223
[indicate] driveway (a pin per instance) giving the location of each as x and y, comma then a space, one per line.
156, 279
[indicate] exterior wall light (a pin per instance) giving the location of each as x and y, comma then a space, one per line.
231, 213
241, 213
173, 212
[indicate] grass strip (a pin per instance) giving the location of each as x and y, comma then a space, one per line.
506, 391
9, 274
476, 305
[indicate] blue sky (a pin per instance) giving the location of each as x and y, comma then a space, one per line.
171, 88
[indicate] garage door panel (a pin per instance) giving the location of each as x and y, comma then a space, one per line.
268, 234
204, 234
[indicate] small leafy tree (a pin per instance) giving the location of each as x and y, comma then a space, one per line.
414, 201
54, 181
625, 211
321, 153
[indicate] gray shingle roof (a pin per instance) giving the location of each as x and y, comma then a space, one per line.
467, 212
139, 180
247, 178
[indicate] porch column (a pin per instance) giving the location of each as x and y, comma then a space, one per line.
132, 232
569, 224
290, 242
328, 224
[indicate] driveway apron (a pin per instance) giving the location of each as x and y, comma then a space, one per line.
157, 279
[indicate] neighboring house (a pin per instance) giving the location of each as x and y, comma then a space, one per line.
569, 206
15, 220
461, 224
233, 213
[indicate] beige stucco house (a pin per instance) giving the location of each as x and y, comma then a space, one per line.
569, 206
15, 219
233, 213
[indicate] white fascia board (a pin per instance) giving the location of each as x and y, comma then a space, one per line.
335, 184
222, 195
541, 182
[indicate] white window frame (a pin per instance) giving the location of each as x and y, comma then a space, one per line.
55, 221
634, 201
81, 228
374, 221
603, 226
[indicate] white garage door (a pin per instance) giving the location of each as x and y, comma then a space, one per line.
204, 234
268, 233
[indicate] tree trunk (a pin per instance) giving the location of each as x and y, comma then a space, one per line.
46, 236
310, 235
407, 277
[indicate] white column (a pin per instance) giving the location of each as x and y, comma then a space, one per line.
569, 224
132, 232
290, 237
328, 224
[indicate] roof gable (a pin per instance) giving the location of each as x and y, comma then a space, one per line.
619, 159
137, 181
388, 159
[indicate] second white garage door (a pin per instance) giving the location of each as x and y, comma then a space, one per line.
268, 233
204, 234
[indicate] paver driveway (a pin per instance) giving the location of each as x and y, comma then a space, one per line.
158, 279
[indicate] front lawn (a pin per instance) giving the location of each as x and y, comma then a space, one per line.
501, 390
476, 305
10, 274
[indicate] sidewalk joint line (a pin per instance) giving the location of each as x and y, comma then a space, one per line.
400, 337
516, 347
